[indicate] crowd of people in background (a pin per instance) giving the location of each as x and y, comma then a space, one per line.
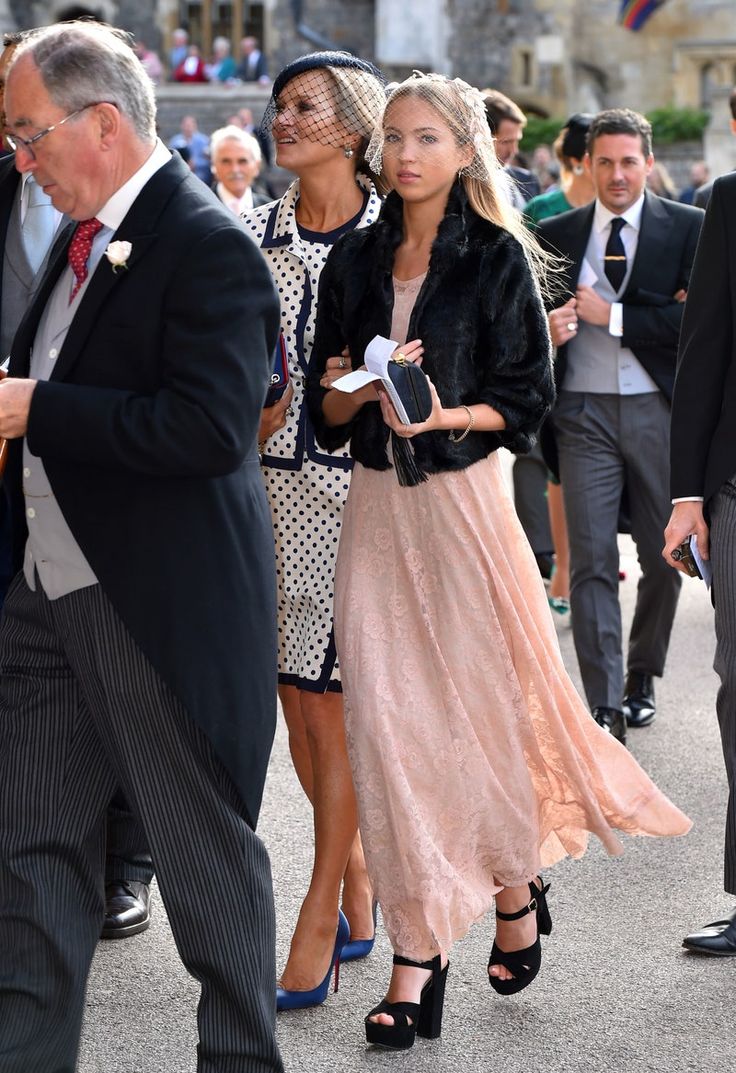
403, 618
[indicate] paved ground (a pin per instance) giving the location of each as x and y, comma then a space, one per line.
616, 991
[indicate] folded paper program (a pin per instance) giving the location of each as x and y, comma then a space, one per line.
405, 383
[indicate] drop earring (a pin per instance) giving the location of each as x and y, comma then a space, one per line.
578, 169
348, 151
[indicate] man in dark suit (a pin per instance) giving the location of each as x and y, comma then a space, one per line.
507, 122
138, 641
629, 256
703, 482
25, 254
252, 66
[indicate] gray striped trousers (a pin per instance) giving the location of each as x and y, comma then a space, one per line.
81, 712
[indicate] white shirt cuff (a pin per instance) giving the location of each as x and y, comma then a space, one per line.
688, 499
616, 319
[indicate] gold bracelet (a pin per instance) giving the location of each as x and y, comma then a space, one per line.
471, 422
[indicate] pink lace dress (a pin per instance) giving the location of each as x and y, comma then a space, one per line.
476, 763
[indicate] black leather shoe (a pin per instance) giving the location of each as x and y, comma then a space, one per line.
639, 707
612, 720
717, 939
127, 909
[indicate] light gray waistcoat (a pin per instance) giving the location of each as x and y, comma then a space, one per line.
596, 361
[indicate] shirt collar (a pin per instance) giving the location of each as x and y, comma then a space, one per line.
285, 224
632, 216
237, 205
114, 211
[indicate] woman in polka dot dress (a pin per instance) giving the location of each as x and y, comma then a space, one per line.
322, 113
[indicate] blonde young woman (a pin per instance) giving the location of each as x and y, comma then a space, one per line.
322, 113
475, 761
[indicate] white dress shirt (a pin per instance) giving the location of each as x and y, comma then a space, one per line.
630, 238
237, 205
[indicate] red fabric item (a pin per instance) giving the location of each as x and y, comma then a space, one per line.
79, 251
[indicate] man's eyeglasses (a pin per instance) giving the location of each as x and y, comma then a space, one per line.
16, 142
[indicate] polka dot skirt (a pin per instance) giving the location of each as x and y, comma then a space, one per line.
307, 488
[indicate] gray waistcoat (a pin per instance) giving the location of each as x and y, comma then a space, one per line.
18, 280
51, 548
596, 361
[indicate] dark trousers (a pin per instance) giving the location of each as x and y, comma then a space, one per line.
530, 499
606, 443
127, 854
723, 561
81, 713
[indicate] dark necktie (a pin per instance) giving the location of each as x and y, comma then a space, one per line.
79, 251
615, 266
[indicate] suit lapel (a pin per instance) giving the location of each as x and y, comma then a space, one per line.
651, 249
102, 282
579, 236
138, 228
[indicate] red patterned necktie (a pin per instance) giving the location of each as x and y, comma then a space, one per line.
79, 251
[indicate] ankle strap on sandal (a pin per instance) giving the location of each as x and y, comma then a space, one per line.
538, 895
530, 908
434, 963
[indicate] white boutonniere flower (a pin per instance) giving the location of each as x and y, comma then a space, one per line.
117, 254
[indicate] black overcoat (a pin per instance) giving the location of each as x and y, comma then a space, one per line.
703, 444
147, 430
479, 316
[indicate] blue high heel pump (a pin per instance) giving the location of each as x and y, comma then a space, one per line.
300, 1000
360, 948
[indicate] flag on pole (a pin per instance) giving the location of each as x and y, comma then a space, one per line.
634, 13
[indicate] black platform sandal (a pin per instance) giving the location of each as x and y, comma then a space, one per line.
411, 1019
524, 964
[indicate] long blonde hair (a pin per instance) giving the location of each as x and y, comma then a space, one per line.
486, 184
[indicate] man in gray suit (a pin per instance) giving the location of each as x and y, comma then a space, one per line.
629, 258
29, 224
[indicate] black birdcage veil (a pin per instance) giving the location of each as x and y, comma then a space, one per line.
331, 105
460, 108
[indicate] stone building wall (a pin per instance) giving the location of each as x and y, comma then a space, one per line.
140, 17
341, 24
485, 38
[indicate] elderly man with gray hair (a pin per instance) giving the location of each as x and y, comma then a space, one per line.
236, 164
138, 641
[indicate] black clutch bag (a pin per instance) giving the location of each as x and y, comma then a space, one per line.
410, 391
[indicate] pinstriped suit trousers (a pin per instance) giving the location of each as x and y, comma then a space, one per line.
81, 712
723, 560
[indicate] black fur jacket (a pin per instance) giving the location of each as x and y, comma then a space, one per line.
479, 316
